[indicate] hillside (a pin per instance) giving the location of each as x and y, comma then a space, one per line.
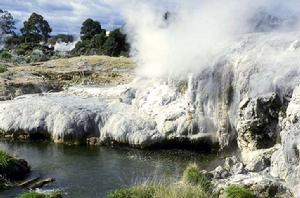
55, 75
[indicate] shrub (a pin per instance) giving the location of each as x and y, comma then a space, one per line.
5, 56
24, 49
38, 55
193, 176
40, 195
238, 192
3, 68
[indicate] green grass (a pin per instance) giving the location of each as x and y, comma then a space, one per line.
193, 176
238, 192
12, 168
193, 185
160, 191
40, 195
5, 160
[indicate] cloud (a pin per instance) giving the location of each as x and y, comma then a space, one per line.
65, 16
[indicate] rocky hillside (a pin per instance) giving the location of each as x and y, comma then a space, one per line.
248, 98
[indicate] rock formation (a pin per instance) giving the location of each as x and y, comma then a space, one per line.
247, 97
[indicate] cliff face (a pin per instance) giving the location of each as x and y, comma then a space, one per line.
247, 97
285, 162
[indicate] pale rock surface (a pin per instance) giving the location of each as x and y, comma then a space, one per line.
286, 161
241, 97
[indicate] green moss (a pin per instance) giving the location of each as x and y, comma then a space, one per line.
40, 195
238, 192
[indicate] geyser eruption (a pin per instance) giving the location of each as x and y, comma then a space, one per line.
206, 70
197, 32
233, 54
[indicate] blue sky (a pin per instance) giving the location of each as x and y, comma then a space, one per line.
64, 16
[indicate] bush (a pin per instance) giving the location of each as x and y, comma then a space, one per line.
98, 40
193, 176
81, 48
39, 195
3, 68
24, 49
238, 192
38, 55
6, 56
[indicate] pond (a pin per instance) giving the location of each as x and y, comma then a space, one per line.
83, 171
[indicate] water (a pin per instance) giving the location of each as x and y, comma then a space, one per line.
82, 171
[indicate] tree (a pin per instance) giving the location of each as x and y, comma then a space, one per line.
7, 23
89, 29
98, 40
116, 44
36, 29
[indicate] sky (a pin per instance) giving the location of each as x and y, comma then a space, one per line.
65, 16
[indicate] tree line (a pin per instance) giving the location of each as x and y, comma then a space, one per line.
36, 34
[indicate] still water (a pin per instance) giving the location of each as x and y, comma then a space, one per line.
83, 172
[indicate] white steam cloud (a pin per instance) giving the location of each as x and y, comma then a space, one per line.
196, 31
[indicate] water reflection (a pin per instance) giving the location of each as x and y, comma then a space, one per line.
82, 171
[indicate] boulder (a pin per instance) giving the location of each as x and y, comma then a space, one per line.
258, 122
262, 185
256, 161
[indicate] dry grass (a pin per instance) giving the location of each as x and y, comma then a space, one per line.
60, 73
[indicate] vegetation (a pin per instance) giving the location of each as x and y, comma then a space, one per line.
40, 195
36, 29
5, 160
7, 23
95, 41
115, 44
90, 28
5, 55
160, 191
238, 192
35, 36
193, 176
194, 184
12, 168
3, 68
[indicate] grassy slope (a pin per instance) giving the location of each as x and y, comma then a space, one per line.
59, 73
